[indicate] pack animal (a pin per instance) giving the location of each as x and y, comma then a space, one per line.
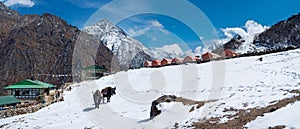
108, 92
97, 96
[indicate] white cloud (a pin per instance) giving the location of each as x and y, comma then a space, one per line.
248, 31
153, 39
26, 3
151, 24
155, 24
135, 32
131, 31
254, 28
231, 32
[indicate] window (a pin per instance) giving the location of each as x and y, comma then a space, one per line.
26, 93
13, 92
17, 93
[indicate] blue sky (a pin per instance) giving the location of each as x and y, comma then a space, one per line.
156, 30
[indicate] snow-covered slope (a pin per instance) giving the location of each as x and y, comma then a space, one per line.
240, 83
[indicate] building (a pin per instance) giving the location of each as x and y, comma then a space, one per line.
156, 63
148, 64
28, 89
166, 62
6, 101
190, 59
210, 56
176, 61
93, 72
228, 54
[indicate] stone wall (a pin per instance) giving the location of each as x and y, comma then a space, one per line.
25, 108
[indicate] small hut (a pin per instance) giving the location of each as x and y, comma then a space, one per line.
210, 56
156, 63
93, 72
29, 89
148, 64
166, 62
228, 54
190, 59
176, 61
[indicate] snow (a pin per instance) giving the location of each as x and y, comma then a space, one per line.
288, 116
124, 47
167, 51
240, 83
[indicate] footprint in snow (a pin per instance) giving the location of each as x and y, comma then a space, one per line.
231, 95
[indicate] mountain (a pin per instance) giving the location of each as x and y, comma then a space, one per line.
239, 39
128, 50
233, 44
40, 47
167, 51
258, 38
283, 34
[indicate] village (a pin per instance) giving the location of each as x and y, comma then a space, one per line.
208, 56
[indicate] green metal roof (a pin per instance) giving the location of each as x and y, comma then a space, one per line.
8, 100
29, 84
44, 84
95, 67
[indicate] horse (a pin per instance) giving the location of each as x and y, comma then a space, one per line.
108, 92
97, 98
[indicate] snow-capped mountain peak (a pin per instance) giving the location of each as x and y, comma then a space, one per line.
167, 51
130, 52
124, 47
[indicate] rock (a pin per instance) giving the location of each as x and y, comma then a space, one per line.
166, 98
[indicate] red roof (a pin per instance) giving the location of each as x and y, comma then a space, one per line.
228, 53
166, 62
190, 59
208, 56
176, 60
148, 64
156, 63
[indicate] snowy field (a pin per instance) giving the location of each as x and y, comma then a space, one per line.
240, 83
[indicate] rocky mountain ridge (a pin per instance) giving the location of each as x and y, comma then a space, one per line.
41, 47
284, 34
